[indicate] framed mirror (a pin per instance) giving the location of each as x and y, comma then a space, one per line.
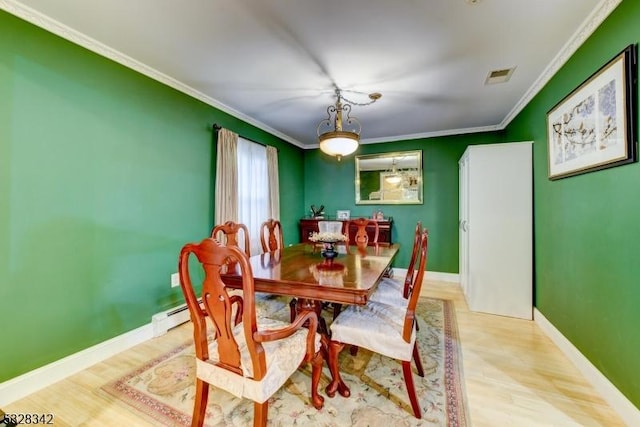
389, 178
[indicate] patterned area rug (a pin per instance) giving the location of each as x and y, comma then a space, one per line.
163, 389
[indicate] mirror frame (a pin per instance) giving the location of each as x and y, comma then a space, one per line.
390, 157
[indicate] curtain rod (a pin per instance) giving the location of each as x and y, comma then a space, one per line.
216, 127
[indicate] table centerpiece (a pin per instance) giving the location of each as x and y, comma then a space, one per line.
328, 240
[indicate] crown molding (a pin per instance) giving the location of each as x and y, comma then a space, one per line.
593, 21
434, 134
45, 22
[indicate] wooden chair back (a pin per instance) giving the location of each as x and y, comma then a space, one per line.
361, 237
271, 237
409, 279
217, 304
228, 233
410, 316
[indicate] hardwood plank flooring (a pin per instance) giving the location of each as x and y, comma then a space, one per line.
514, 376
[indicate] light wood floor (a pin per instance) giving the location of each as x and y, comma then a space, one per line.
514, 375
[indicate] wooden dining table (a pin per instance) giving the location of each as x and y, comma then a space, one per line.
300, 271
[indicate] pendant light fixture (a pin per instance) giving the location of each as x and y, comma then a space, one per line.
393, 177
406, 177
339, 133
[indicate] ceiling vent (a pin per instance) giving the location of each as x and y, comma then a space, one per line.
499, 76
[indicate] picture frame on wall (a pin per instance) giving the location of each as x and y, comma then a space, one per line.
345, 215
594, 127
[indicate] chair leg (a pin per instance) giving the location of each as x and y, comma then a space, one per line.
353, 350
260, 413
408, 380
292, 309
416, 357
337, 308
200, 405
316, 371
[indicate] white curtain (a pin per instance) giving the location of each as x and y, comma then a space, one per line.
274, 183
253, 189
247, 184
226, 197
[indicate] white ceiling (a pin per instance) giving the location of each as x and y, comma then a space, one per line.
275, 63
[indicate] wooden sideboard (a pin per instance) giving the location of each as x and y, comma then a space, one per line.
310, 225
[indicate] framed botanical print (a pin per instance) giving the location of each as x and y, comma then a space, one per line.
594, 127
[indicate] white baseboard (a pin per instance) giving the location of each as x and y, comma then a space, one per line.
434, 276
169, 319
437, 276
32, 381
618, 401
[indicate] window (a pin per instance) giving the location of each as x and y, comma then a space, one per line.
253, 189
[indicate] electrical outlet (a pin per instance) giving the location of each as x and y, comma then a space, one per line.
175, 280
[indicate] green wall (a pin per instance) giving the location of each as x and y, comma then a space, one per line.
331, 183
104, 175
587, 236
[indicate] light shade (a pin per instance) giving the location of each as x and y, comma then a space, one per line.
339, 143
393, 179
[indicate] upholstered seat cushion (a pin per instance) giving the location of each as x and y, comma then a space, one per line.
389, 291
282, 359
375, 326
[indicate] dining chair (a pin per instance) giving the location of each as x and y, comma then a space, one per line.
361, 238
327, 226
230, 230
230, 234
247, 356
271, 237
384, 329
394, 291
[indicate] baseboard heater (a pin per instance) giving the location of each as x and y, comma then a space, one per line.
169, 319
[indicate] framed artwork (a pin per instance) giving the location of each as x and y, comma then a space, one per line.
343, 214
594, 127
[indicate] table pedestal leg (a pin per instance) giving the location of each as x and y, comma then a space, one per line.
336, 380
304, 304
331, 349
